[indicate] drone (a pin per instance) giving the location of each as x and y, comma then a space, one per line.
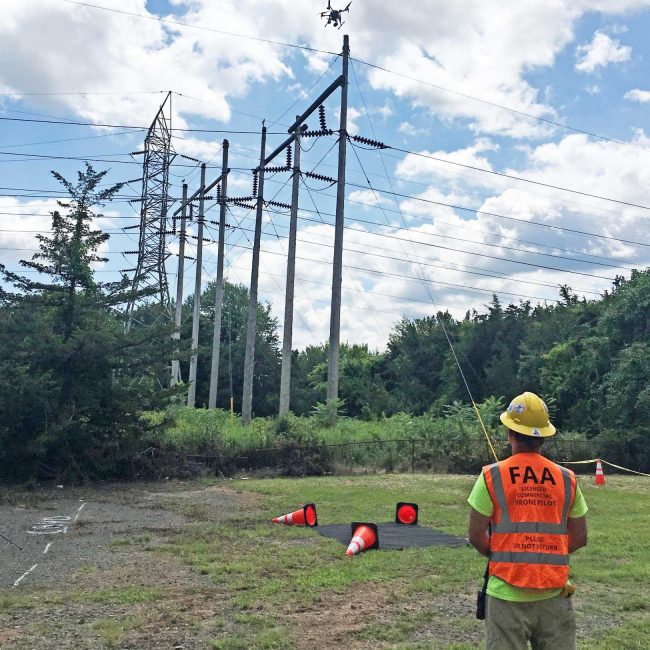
334, 17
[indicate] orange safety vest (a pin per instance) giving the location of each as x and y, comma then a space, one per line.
529, 542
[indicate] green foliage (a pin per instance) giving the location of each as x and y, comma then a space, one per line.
295, 445
72, 382
68, 397
232, 349
327, 413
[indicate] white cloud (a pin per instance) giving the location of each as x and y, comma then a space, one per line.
384, 111
425, 164
353, 115
113, 52
483, 49
638, 95
409, 130
480, 49
26, 219
368, 197
602, 51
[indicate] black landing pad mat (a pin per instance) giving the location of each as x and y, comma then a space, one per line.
394, 536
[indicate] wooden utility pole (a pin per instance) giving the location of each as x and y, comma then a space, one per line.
218, 294
191, 393
176, 366
285, 376
335, 317
249, 359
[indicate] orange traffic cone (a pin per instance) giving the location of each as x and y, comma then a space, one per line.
364, 537
306, 516
600, 477
406, 513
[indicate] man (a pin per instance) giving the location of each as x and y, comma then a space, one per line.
527, 515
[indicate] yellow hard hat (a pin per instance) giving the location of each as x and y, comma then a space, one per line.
528, 414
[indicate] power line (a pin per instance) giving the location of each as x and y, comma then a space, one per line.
422, 279
201, 27
409, 214
312, 49
82, 92
408, 278
481, 211
501, 216
349, 289
520, 178
494, 104
128, 126
471, 270
85, 137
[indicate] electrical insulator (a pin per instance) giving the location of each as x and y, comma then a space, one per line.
320, 177
321, 118
254, 184
288, 157
317, 134
277, 204
242, 204
369, 142
273, 170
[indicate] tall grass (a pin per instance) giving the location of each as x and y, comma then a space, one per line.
306, 445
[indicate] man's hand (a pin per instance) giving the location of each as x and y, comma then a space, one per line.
477, 532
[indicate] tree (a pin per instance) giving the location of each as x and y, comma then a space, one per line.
266, 373
361, 387
69, 409
416, 357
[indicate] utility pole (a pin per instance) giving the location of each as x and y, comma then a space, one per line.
191, 393
249, 359
218, 294
335, 316
285, 376
176, 366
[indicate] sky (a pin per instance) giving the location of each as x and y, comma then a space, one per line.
517, 159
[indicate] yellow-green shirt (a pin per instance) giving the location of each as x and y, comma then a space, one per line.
480, 500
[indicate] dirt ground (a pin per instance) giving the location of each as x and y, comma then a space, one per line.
83, 550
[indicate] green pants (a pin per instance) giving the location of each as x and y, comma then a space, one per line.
548, 624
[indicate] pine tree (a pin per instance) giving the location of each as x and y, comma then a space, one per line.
70, 406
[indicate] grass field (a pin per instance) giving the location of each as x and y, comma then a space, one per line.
237, 581
288, 584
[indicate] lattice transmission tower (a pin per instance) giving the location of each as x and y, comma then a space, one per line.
152, 252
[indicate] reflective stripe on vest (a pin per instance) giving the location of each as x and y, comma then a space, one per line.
530, 558
507, 526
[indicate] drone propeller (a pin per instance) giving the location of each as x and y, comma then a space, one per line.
348, 7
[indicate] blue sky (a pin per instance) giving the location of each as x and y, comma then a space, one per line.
462, 86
